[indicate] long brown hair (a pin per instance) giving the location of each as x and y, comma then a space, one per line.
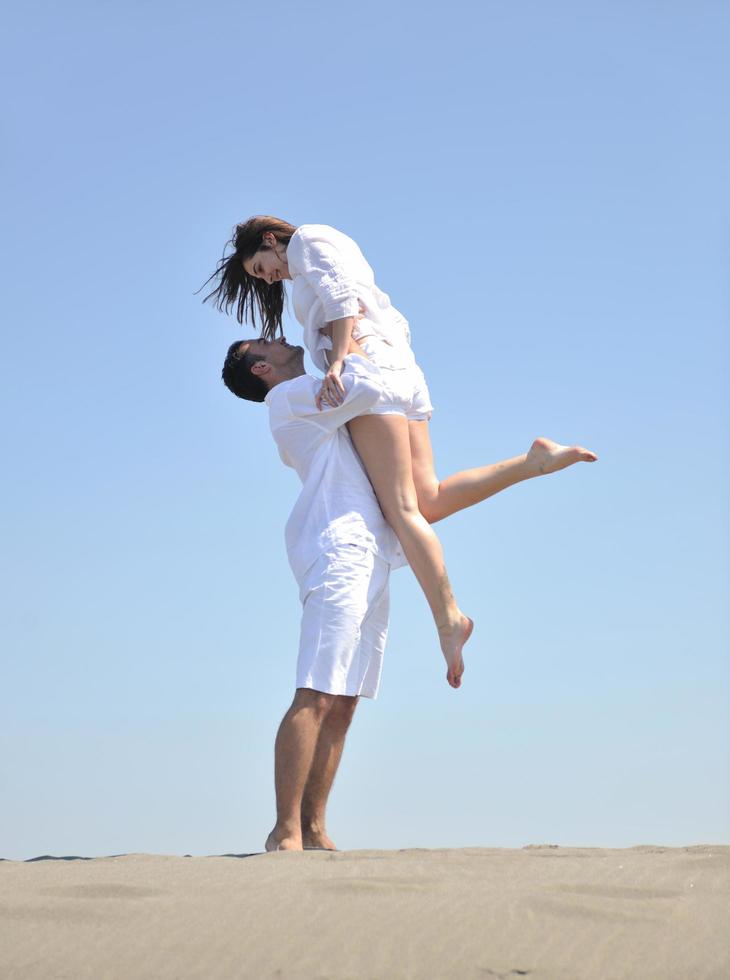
249, 295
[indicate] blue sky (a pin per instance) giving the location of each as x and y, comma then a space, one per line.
542, 190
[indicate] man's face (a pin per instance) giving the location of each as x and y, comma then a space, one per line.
277, 352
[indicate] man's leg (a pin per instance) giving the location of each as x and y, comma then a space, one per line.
440, 498
296, 743
322, 774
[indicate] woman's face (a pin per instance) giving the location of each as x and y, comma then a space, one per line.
268, 263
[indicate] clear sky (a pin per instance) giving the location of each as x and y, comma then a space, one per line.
543, 190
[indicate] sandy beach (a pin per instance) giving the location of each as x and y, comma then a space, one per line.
543, 912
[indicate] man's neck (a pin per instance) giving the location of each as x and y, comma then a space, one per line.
286, 374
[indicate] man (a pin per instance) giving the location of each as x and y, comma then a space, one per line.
341, 551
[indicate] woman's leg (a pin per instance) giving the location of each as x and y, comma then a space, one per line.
440, 498
383, 443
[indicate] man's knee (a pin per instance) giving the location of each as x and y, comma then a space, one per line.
343, 707
318, 701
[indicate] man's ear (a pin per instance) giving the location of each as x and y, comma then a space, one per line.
260, 368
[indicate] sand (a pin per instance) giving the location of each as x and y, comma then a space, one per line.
542, 912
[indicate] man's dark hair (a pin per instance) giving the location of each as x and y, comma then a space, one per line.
237, 376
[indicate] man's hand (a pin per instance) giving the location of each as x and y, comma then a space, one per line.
332, 392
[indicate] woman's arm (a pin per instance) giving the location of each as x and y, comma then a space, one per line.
332, 391
342, 342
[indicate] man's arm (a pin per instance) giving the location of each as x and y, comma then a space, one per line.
361, 381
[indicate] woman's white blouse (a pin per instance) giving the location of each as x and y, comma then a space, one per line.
331, 280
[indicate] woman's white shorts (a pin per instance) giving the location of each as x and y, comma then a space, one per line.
404, 388
346, 601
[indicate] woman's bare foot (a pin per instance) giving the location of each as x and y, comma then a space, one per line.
546, 456
453, 637
273, 843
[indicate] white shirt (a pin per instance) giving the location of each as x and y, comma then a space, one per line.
330, 280
337, 504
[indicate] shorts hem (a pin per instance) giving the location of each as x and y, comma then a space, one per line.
411, 416
312, 686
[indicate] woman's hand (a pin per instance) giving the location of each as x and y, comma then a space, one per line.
332, 391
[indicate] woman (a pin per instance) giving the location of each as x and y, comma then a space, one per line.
342, 311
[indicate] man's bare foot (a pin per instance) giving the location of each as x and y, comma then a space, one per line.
312, 839
274, 843
453, 637
546, 456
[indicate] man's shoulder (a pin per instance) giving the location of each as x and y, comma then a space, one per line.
281, 397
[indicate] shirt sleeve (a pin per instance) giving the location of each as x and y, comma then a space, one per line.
312, 256
362, 390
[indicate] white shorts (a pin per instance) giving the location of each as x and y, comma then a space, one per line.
346, 601
404, 388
